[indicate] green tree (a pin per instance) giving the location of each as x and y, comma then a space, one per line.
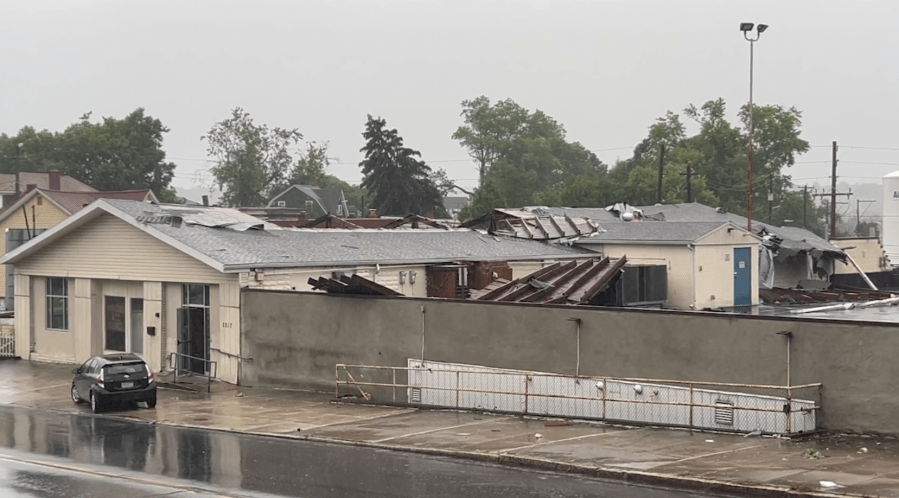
717, 158
485, 199
524, 154
395, 175
114, 154
253, 162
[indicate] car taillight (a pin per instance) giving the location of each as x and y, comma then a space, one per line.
149, 373
101, 380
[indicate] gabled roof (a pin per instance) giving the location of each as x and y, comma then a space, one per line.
672, 232
42, 181
72, 202
328, 199
230, 241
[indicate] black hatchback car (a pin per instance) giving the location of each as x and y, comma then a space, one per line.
107, 379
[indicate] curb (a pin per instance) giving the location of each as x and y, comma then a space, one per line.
628, 476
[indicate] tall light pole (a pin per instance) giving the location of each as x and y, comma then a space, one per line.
746, 28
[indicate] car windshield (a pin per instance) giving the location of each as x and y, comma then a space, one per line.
125, 368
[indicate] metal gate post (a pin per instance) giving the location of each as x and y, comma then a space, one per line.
691, 405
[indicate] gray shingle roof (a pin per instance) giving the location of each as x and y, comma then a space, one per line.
295, 248
795, 239
649, 231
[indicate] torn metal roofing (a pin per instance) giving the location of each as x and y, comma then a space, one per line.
527, 225
572, 282
351, 285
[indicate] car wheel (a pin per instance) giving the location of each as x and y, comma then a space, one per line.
75, 397
151, 402
96, 405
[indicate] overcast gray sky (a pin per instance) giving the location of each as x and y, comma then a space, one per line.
605, 69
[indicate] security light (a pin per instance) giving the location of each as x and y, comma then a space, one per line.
761, 28
747, 26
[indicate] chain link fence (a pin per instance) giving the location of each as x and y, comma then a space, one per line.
743, 408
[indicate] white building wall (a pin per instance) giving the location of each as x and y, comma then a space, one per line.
891, 217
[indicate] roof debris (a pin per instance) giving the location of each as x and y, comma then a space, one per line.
527, 225
573, 282
351, 285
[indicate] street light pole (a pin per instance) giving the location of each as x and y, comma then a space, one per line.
746, 27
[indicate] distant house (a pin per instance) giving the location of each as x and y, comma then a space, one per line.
454, 205
39, 210
315, 201
168, 278
51, 180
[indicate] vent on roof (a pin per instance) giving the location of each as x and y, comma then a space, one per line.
414, 395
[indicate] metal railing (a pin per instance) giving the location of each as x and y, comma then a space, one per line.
697, 405
210, 367
7, 341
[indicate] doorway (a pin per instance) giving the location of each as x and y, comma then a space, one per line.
193, 329
742, 276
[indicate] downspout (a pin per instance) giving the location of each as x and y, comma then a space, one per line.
692, 249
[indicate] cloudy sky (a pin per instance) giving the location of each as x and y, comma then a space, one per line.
604, 68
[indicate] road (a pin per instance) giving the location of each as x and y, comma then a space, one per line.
48, 455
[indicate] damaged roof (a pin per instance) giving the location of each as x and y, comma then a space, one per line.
572, 282
795, 239
527, 225
230, 241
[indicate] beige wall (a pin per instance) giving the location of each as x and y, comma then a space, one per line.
679, 260
868, 253
110, 248
714, 275
46, 215
110, 257
298, 279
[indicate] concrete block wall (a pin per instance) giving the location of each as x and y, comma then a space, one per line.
296, 339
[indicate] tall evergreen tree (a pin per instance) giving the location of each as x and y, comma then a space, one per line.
394, 175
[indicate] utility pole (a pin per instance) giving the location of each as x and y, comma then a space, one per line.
661, 167
833, 194
858, 216
770, 197
18, 167
689, 175
804, 205
830, 209
689, 184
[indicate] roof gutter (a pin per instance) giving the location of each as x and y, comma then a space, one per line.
237, 268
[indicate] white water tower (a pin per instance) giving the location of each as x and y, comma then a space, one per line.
891, 217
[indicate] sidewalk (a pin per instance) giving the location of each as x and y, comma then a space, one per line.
857, 465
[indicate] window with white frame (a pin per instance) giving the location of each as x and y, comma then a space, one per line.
57, 303
282, 204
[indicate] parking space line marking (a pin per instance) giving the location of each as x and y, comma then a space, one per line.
585, 436
355, 419
433, 430
713, 454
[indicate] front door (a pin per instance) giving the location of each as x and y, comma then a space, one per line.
193, 329
742, 277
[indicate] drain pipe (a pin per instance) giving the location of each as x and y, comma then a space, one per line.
577, 365
422, 335
789, 405
789, 336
